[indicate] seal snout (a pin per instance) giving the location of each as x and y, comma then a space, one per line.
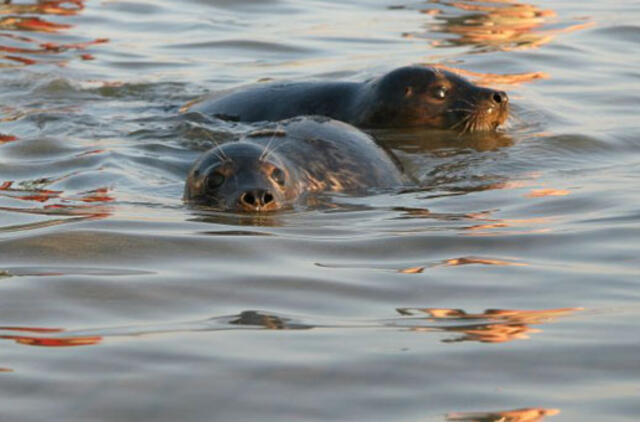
492, 110
258, 200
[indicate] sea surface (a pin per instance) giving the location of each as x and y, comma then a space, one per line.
504, 287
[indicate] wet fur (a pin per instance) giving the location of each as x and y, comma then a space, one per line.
401, 98
316, 154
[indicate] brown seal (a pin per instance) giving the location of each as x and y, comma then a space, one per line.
279, 165
406, 97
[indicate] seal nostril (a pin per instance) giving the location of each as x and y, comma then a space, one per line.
267, 198
500, 97
248, 198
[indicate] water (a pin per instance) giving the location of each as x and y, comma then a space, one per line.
503, 288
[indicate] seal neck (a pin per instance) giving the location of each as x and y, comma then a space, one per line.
364, 99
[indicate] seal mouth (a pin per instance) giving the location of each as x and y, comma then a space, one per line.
482, 119
486, 110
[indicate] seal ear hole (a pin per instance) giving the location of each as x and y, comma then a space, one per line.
408, 91
215, 180
278, 176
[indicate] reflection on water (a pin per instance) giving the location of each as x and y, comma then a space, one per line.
205, 215
7, 138
84, 206
270, 322
499, 326
418, 269
29, 50
518, 415
493, 25
50, 271
503, 326
416, 140
371, 303
487, 78
45, 7
36, 340
539, 193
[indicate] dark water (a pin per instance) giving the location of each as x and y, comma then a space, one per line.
505, 288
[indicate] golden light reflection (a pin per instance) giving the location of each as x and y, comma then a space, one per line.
46, 7
483, 223
481, 78
539, 193
39, 340
7, 138
30, 24
494, 25
19, 50
483, 261
532, 414
490, 326
412, 270
58, 337
89, 205
465, 260
498, 226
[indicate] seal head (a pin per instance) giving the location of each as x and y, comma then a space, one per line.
288, 162
242, 176
429, 97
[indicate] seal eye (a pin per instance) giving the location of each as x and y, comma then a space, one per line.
215, 180
440, 92
278, 176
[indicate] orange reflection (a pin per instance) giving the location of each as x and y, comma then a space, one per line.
499, 326
502, 25
7, 138
412, 270
46, 7
494, 226
539, 193
495, 78
30, 24
484, 261
47, 341
482, 222
27, 17
35, 191
96, 195
465, 260
80, 207
54, 342
533, 414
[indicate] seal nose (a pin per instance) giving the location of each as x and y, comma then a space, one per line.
499, 97
255, 200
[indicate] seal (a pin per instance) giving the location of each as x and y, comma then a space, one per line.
277, 166
411, 96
